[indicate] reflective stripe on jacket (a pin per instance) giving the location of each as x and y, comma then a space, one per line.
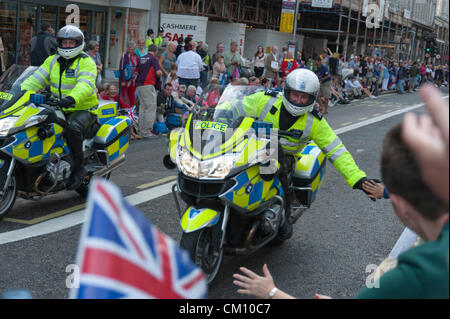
77, 81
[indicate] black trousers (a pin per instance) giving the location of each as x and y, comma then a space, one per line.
80, 127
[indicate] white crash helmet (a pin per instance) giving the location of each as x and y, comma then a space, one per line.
300, 80
74, 33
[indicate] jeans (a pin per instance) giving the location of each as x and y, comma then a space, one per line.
401, 85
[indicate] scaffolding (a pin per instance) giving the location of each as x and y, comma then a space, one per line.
256, 13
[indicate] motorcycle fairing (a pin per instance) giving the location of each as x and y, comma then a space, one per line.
251, 191
29, 148
194, 219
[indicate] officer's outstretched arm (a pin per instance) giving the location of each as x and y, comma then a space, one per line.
333, 148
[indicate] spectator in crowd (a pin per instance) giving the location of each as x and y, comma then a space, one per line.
353, 85
180, 47
93, 48
422, 72
182, 104
141, 50
384, 75
42, 45
265, 83
438, 76
401, 77
324, 95
189, 65
413, 73
190, 93
101, 89
148, 70
288, 65
149, 40
213, 97
420, 272
220, 71
166, 60
272, 66
429, 73
110, 93
127, 68
354, 63
173, 78
219, 51
233, 60
203, 52
165, 103
258, 61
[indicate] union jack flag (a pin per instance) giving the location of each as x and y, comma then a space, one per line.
132, 114
122, 255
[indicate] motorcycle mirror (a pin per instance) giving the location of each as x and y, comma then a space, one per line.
167, 161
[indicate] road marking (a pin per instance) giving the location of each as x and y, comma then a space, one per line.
345, 124
77, 217
363, 118
78, 207
46, 217
158, 182
378, 119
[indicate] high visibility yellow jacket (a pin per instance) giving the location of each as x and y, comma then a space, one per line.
77, 81
158, 41
267, 108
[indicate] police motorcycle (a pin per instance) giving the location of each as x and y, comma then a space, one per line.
229, 178
35, 160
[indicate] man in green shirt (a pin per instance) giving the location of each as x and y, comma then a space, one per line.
422, 271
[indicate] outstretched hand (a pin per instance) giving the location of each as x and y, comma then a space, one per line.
373, 189
428, 137
254, 285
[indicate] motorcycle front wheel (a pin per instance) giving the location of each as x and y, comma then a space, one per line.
9, 197
199, 245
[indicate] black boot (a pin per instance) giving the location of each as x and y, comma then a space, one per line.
75, 143
77, 177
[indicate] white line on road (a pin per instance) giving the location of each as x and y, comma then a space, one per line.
77, 218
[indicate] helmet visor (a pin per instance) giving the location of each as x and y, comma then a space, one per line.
299, 98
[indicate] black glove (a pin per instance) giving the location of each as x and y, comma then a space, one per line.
66, 102
359, 184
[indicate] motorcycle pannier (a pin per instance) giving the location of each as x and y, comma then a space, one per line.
309, 173
112, 139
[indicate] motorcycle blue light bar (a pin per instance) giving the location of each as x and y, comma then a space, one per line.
257, 125
37, 98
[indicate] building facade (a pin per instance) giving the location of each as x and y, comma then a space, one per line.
110, 22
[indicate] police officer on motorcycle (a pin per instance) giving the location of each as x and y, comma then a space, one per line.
294, 110
71, 74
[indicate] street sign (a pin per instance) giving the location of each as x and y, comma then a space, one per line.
438, 56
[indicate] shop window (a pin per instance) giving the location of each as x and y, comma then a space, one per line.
48, 15
8, 13
27, 29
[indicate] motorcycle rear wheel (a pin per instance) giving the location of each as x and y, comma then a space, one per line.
9, 198
199, 246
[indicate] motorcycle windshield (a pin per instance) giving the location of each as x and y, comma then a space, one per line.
221, 112
10, 82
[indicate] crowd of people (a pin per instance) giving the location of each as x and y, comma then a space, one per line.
189, 64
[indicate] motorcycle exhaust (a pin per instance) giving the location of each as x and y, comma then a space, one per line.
111, 167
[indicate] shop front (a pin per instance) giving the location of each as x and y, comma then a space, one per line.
111, 26
20, 21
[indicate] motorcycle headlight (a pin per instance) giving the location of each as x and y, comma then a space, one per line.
6, 124
218, 167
